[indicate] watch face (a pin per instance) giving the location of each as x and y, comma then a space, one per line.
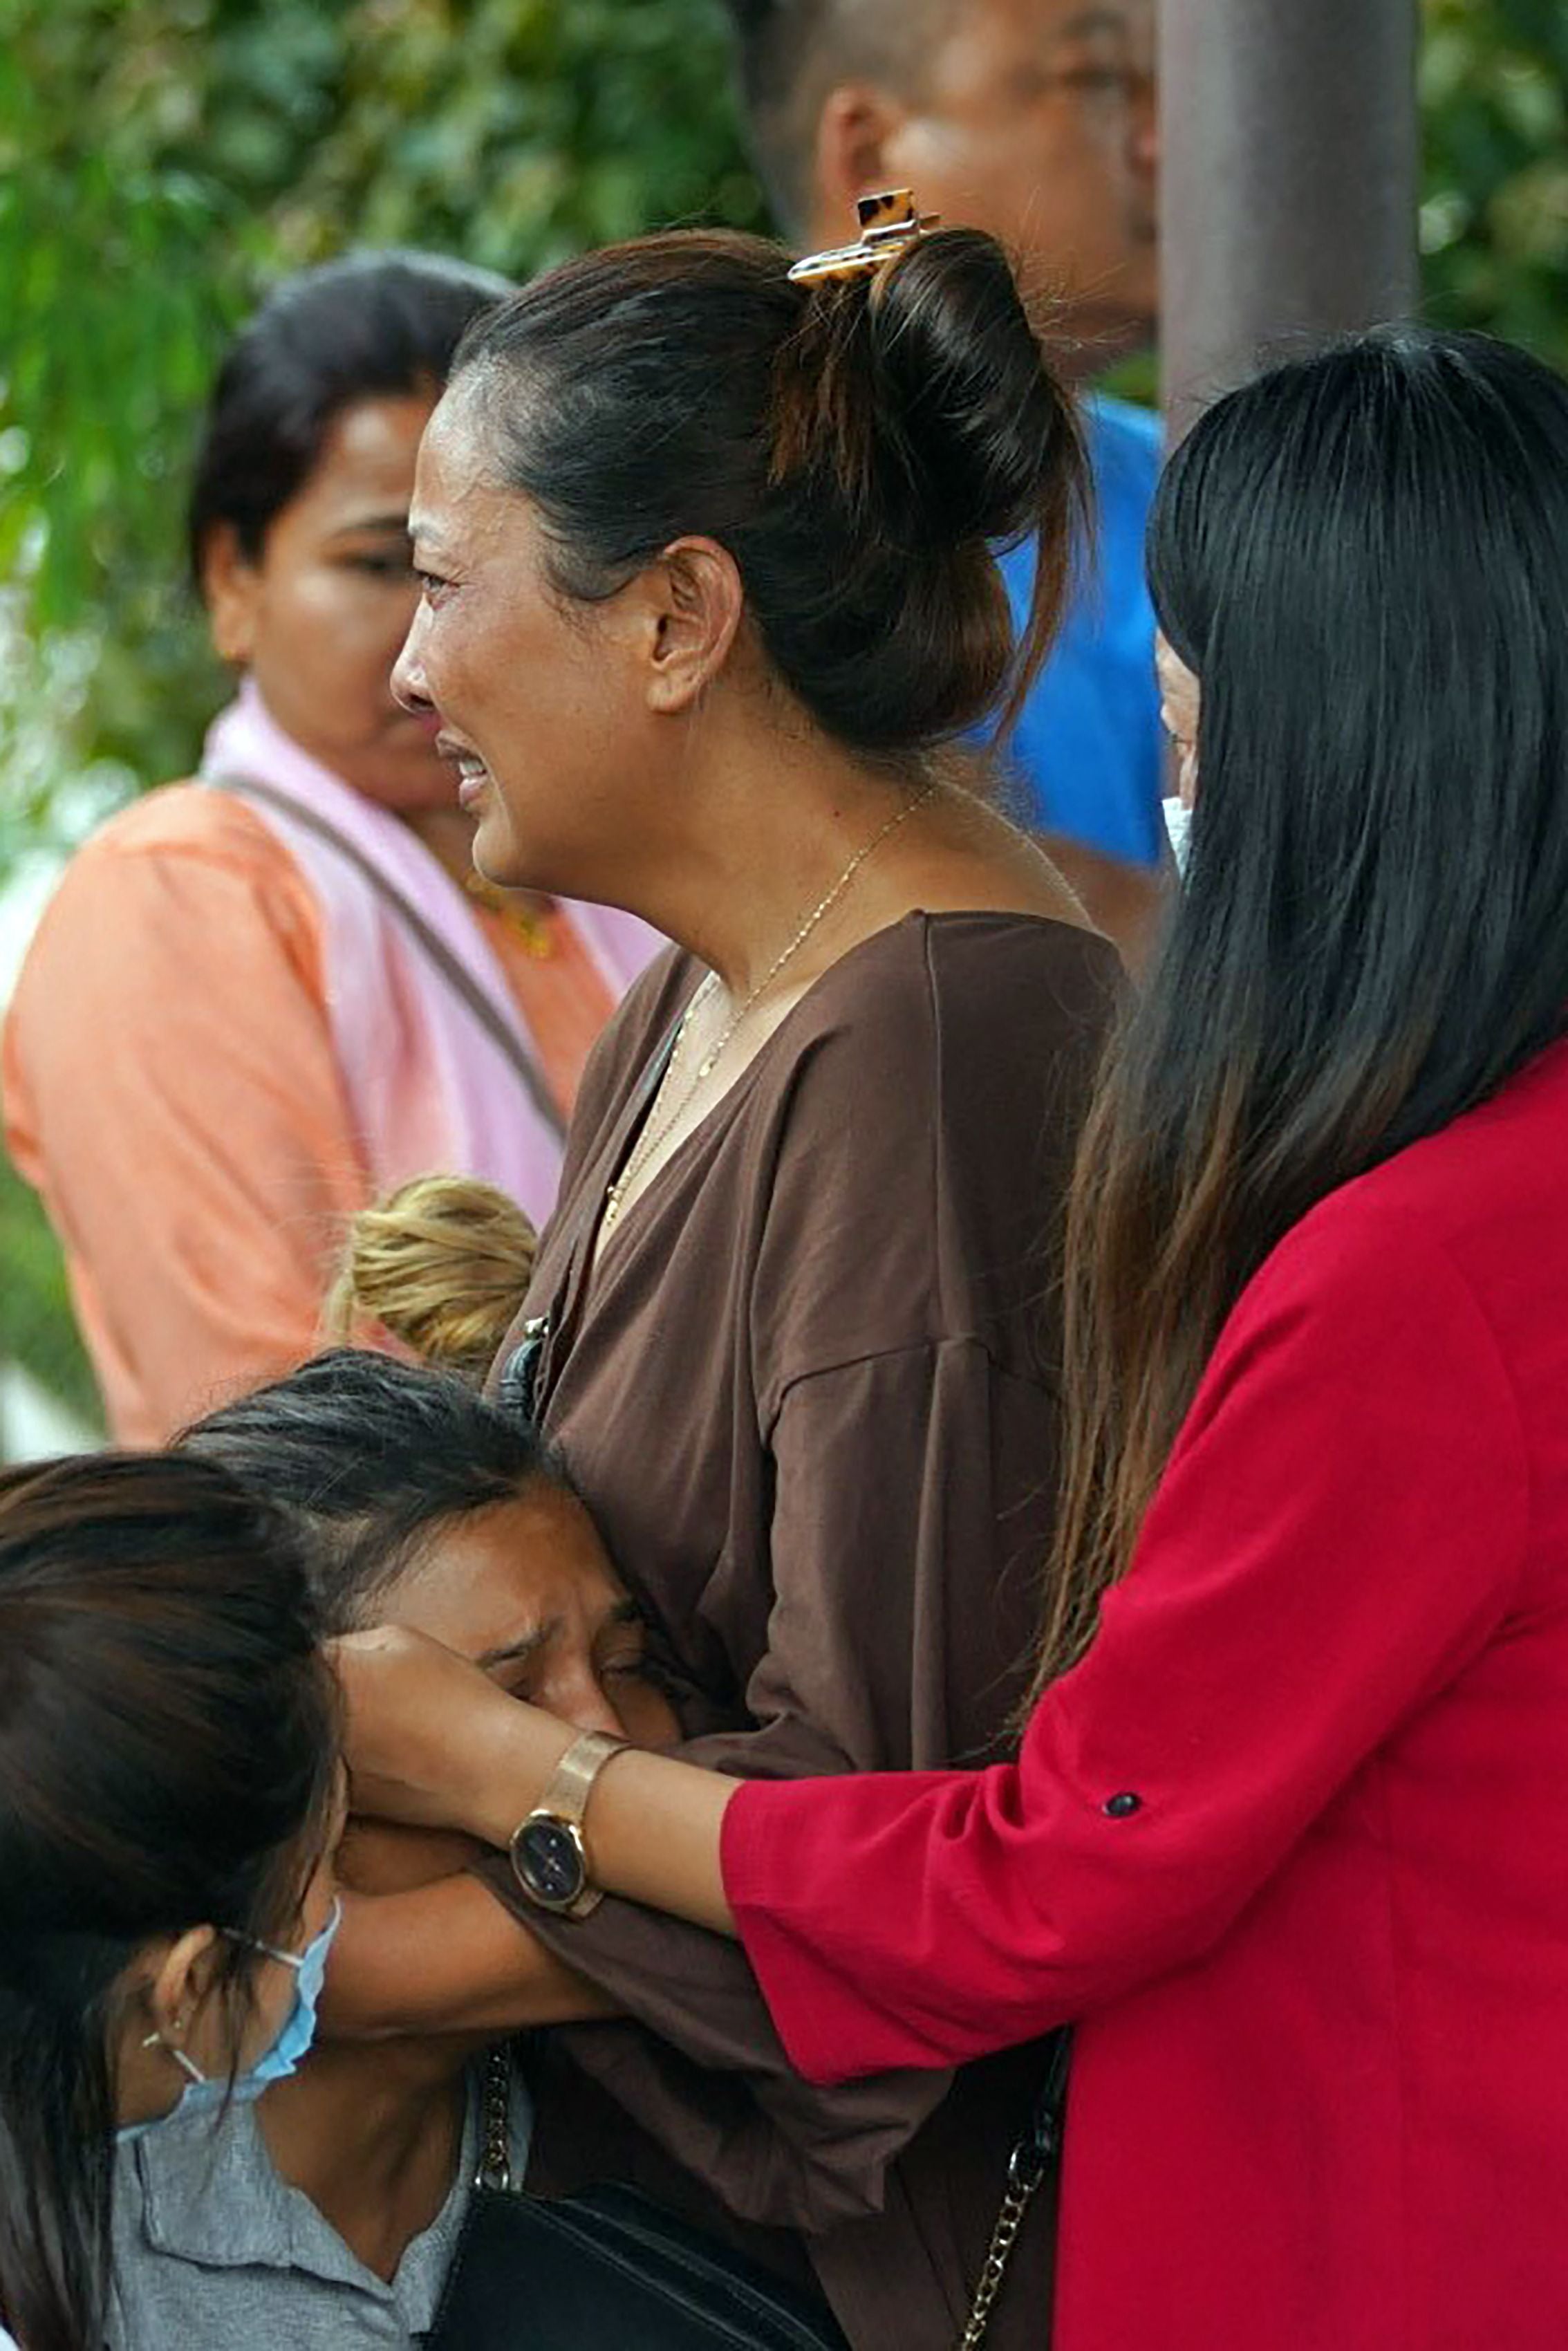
549, 1861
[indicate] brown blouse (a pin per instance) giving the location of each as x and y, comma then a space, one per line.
811, 1398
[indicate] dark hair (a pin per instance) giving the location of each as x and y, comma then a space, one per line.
1363, 557
791, 54
374, 1455
168, 1743
370, 326
860, 448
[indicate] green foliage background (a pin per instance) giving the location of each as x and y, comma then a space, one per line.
161, 159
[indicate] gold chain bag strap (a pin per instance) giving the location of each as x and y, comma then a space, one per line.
494, 2170
1028, 2167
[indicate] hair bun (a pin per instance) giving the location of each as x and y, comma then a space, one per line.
964, 388
918, 422
441, 1266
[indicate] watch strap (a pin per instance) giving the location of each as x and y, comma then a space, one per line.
569, 1785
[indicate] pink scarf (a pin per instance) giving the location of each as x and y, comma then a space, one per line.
427, 1087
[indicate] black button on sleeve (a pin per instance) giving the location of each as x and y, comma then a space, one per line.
1118, 1808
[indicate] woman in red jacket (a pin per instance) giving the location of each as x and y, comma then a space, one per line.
1284, 1840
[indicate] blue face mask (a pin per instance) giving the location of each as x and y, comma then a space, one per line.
207, 2094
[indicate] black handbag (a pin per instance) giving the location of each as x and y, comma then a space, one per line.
610, 2271
607, 2271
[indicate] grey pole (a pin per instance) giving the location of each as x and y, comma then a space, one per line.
1289, 148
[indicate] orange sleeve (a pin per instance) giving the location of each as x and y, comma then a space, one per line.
171, 1089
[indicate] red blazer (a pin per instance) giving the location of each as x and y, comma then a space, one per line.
1290, 1844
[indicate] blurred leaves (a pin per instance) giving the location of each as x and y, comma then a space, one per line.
38, 1330
161, 160
1494, 216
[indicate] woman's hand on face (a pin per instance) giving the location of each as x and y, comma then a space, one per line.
430, 1737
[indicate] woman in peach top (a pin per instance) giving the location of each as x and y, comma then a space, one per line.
260, 998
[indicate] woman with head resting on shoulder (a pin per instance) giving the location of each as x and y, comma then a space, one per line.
170, 1792
271, 992
329, 2214
1283, 1838
707, 596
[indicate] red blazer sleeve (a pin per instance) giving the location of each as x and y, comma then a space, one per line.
1341, 1527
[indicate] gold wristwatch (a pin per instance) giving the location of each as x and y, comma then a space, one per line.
549, 1860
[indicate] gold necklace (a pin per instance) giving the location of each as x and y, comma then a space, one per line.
654, 1127
530, 922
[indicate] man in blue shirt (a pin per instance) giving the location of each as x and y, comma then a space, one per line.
1034, 120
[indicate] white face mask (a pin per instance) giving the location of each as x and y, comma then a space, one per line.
1180, 702
1178, 828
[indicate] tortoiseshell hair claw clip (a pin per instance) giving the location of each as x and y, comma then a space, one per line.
888, 221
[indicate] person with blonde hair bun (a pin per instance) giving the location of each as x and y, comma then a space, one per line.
441, 1265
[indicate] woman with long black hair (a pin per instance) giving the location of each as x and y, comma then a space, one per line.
169, 1786
1282, 1842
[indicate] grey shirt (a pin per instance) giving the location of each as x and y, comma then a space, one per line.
212, 2246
